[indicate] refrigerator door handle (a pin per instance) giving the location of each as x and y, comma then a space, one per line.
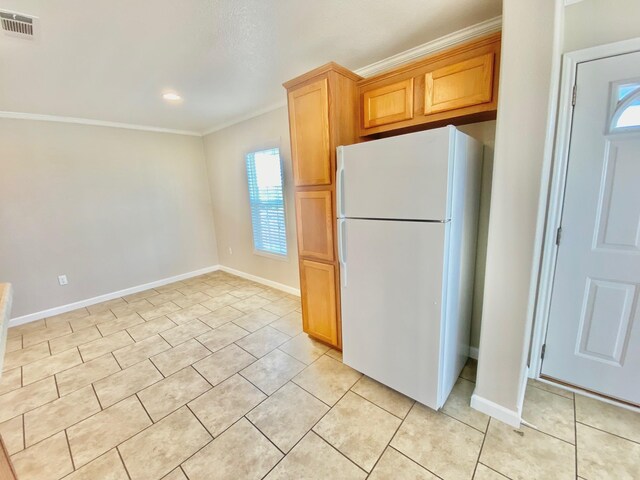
340, 183
341, 251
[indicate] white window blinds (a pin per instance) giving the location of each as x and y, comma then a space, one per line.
264, 174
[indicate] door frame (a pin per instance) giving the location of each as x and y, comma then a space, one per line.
555, 194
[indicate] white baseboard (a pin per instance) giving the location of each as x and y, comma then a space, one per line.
473, 352
510, 417
50, 312
263, 281
108, 296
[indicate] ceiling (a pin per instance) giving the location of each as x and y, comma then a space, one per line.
111, 60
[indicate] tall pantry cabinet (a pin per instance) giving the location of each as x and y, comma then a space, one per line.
322, 107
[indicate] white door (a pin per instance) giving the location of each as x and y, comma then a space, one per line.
391, 296
404, 177
593, 337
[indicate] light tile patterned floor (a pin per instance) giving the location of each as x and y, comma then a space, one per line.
213, 378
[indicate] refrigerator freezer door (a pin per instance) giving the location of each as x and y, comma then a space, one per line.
403, 177
391, 305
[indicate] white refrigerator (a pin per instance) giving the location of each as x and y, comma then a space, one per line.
407, 225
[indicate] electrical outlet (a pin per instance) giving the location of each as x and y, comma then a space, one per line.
230, 251
62, 279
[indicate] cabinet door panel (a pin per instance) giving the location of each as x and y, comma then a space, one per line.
388, 104
309, 121
319, 308
315, 224
460, 85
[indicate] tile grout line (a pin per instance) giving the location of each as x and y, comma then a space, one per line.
79, 344
549, 391
607, 432
494, 470
310, 429
117, 362
484, 438
381, 408
388, 444
324, 415
97, 397
179, 467
213, 438
124, 465
147, 412
55, 380
547, 434
413, 461
179, 407
24, 435
66, 436
400, 451
57, 431
123, 441
465, 423
257, 360
263, 434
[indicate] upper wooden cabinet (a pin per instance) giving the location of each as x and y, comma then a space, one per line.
388, 104
458, 85
310, 143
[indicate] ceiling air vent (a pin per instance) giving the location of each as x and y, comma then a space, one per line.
17, 25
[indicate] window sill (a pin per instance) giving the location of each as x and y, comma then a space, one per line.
273, 256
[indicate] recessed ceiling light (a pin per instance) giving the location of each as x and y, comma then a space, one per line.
172, 97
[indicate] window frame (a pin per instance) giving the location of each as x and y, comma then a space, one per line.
256, 251
617, 107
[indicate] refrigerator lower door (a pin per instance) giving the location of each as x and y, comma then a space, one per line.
392, 303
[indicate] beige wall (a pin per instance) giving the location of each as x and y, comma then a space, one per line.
531, 42
110, 208
595, 22
225, 152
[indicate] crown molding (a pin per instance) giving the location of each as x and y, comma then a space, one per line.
95, 123
255, 113
486, 27
483, 28
479, 29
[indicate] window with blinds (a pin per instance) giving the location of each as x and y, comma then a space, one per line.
264, 174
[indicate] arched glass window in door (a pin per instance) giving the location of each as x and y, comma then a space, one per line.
626, 108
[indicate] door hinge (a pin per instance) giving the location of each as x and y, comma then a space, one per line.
573, 95
544, 349
558, 235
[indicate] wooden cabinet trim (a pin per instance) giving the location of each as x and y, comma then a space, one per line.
388, 104
316, 229
482, 84
320, 71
